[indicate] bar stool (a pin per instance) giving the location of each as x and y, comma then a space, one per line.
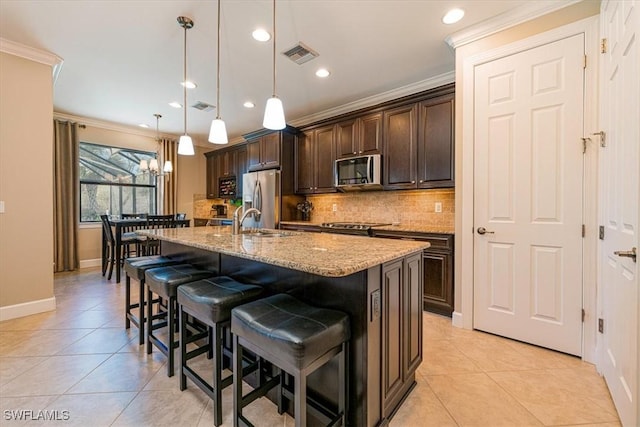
210, 301
164, 282
136, 267
297, 338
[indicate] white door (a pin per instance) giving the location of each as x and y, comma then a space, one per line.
620, 118
528, 195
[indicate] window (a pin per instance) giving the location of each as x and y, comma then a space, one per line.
111, 182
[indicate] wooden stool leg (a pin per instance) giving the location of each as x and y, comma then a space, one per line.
216, 341
170, 339
183, 347
237, 381
141, 318
127, 301
343, 381
300, 399
149, 319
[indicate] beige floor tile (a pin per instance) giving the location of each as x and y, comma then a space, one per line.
560, 396
422, 408
121, 372
21, 411
442, 357
102, 340
11, 367
95, 410
546, 358
52, 376
42, 343
476, 400
163, 408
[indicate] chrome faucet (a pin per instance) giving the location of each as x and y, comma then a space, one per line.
237, 223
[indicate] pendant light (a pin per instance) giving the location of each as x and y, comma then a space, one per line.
218, 131
185, 144
274, 113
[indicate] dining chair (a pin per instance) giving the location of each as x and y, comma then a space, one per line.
111, 247
156, 222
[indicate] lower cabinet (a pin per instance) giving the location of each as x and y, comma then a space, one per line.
401, 328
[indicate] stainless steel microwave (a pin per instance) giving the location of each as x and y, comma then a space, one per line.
359, 173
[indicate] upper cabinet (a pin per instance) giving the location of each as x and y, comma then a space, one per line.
315, 157
418, 144
224, 172
264, 152
360, 136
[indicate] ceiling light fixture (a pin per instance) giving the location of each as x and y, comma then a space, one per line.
185, 144
322, 73
453, 16
274, 112
218, 131
261, 35
175, 104
249, 104
144, 125
152, 166
189, 85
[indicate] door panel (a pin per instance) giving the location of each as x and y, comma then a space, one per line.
528, 189
620, 192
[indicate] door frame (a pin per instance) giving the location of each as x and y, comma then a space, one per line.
464, 249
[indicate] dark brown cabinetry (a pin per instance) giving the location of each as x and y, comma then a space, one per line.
360, 136
264, 151
435, 142
315, 155
227, 164
400, 147
401, 328
437, 263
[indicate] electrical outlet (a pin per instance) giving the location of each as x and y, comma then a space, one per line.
334, 207
438, 207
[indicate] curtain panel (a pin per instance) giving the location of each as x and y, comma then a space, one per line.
169, 182
65, 196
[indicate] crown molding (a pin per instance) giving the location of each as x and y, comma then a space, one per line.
100, 124
501, 22
390, 95
33, 54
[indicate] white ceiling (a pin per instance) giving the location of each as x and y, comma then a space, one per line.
123, 59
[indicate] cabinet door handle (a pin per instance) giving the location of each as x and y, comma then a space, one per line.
413, 182
421, 181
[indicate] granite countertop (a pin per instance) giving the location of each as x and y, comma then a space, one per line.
330, 255
436, 229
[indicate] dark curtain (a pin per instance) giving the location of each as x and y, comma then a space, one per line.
65, 196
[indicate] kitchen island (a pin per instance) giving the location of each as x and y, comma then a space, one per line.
378, 282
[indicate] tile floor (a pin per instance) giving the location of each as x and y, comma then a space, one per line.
80, 361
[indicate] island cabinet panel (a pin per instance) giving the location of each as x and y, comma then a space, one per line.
401, 329
400, 147
315, 157
360, 136
435, 143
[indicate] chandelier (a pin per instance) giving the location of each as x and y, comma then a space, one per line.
153, 167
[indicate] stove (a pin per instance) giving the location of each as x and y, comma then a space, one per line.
356, 228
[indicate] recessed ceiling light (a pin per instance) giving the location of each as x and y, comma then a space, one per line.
453, 16
249, 104
189, 85
175, 104
322, 72
261, 35
142, 125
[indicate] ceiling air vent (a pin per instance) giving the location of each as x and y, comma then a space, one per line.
300, 53
203, 106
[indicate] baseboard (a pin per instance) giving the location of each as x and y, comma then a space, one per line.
456, 319
27, 308
87, 263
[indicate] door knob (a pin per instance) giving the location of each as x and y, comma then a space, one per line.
482, 230
628, 254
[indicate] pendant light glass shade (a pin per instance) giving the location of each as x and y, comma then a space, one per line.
168, 167
218, 132
274, 114
185, 146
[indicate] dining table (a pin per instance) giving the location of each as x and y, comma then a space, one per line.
121, 226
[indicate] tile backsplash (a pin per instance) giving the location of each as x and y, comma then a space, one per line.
407, 207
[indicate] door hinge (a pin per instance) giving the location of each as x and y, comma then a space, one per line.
584, 230
603, 46
584, 144
583, 315
601, 326
584, 63
601, 232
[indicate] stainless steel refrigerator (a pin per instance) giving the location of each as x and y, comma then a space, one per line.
261, 190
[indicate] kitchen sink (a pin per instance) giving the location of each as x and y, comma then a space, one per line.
261, 232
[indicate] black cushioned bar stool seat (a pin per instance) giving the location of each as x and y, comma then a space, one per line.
210, 301
164, 282
297, 338
135, 268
